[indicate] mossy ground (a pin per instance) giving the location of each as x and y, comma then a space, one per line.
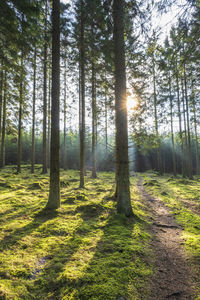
84, 250
182, 196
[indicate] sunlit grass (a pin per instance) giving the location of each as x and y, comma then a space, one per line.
82, 251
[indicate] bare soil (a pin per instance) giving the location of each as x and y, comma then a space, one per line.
174, 278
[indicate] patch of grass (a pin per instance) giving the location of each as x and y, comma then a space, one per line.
84, 250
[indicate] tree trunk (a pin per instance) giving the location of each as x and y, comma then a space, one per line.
172, 129
82, 96
65, 118
185, 130
19, 144
2, 157
33, 115
195, 131
49, 121
122, 170
180, 123
188, 127
54, 192
1, 97
44, 142
159, 161
94, 122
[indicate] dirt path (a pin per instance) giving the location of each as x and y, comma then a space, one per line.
173, 278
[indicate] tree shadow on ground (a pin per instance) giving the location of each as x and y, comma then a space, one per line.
89, 266
41, 217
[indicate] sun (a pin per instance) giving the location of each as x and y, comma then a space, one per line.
132, 102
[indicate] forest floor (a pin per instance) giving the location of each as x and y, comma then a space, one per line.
85, 250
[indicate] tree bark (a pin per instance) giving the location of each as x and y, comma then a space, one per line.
172, 128
94, 122
122, 169
19, 143
54, 192
190, 175
2, 157
44, 142
82, 96
65, 120
159, 161
33, 114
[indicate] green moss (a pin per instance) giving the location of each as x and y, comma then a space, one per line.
82, 251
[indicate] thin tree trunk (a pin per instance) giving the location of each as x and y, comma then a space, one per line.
195, 131
54, 192
49, 122
1, 97
159, 161
33, 114
180, 124
188, 126
65, 118
94, 122
19, 144
2, 157
172, 129
82, 96
122, 170
106, 126
44, 142
185, 130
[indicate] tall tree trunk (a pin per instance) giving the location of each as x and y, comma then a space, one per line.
82, 96
94, 122
49, 121
122, 169
1, 97
33, 114
185, 130
106, 126
54, 192
172, 128
19, 143
44, 142
180, 123
159, 161
65, 119
188, 127
2, 157
195, 130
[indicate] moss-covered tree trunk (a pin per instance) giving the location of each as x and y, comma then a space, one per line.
54, 192
33, 114
122, 161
